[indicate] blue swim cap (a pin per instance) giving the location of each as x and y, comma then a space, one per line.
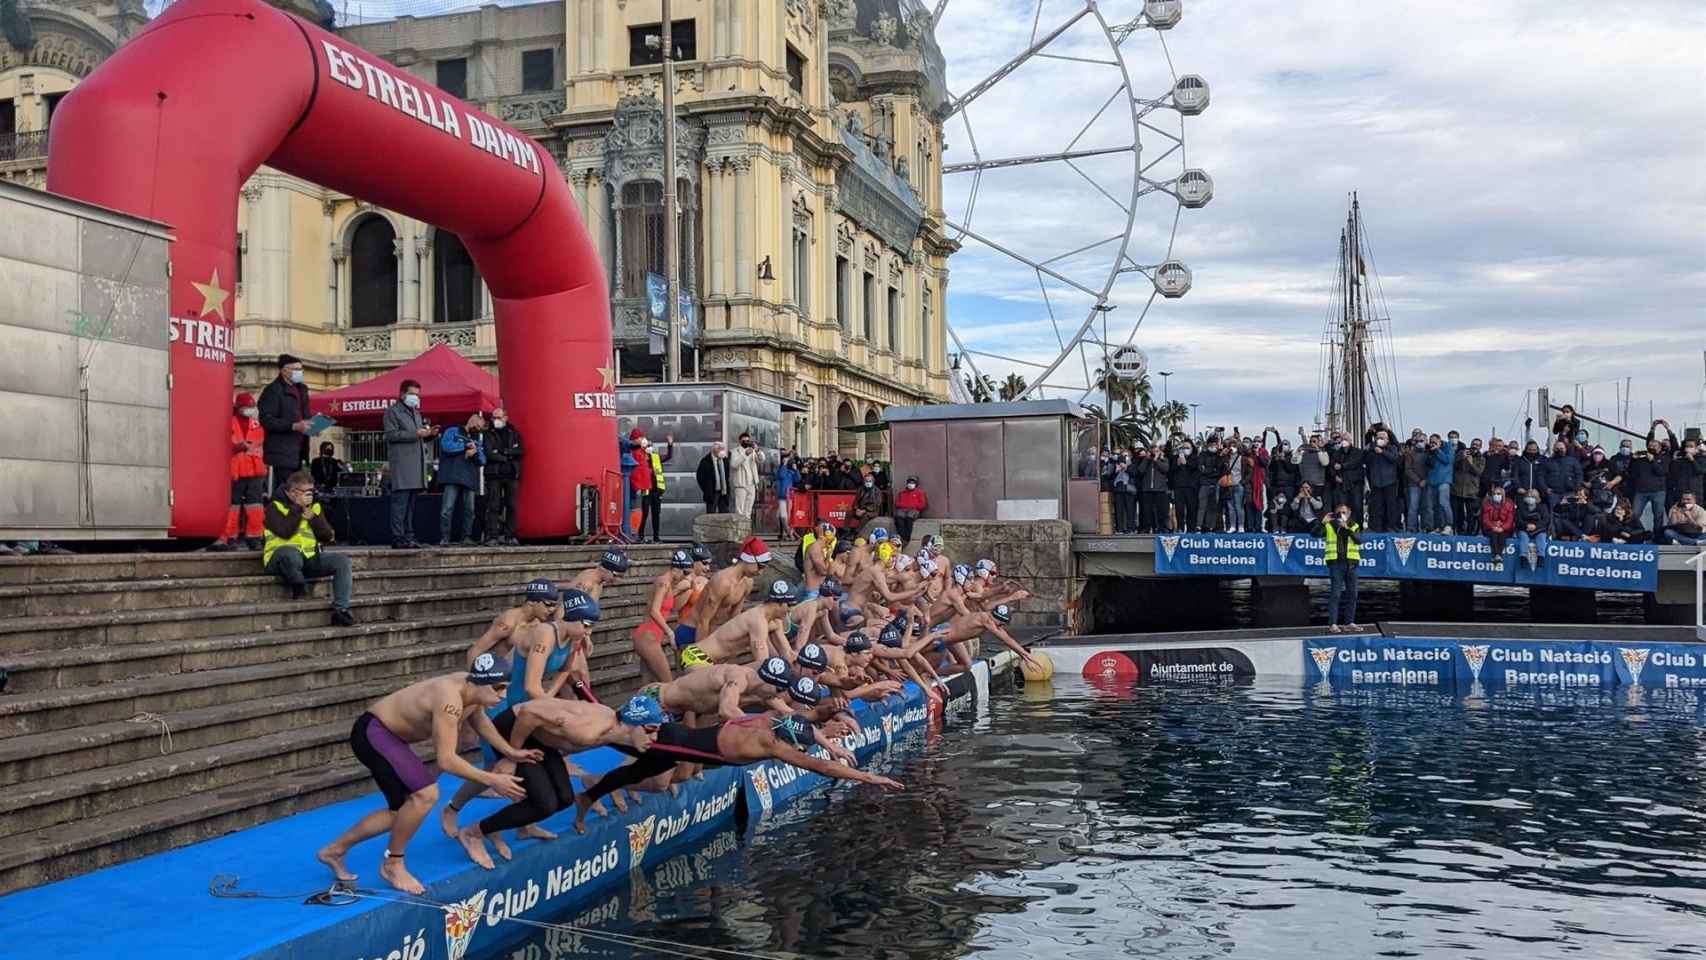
879, 533
579, 606
614, 560
776, 672
857, 642
489, 670
831, 587
962, 573
542, 590
807, 692
782, 592
641, 712
891, 637
701, 553
794, 731
1003, 613
812, 655
681, 560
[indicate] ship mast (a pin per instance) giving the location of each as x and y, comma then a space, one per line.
1358, 374
1356, 330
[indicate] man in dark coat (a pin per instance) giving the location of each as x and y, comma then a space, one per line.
713, 477
284, 417
503, 477
405, 441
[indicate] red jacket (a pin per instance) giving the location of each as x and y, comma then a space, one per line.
247, 464
641, 478
912, 500
1498, 517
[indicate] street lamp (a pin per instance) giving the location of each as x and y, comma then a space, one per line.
1164, 374
1194, 420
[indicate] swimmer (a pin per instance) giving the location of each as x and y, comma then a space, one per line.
550, 728
559, 650
813, 661
432, 710
723, 595
952, 602
751, 739
817, 551
805, 618
752, 626
726, 690
593, 580
539, 606
952, 636
653, 634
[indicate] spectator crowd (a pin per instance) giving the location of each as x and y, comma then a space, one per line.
1563, 488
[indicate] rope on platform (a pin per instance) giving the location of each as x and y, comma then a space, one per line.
165, 729
224, 886
671, 948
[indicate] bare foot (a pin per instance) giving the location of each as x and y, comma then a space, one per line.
398, 876
536, 832
500, 846
475, 844
582, 805
447, 821
335, 860
616, 798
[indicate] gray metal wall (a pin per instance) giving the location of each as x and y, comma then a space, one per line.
698, 416
966, 466
85, 447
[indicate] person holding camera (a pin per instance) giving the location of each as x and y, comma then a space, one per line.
461, 458
1343, 553
743, 475
406, 433
297, 533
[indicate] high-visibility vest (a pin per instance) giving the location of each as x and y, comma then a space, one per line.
1352, 552
657, 469
303, 540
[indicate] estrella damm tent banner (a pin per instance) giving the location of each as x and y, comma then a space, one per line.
1212, 554
1594, 566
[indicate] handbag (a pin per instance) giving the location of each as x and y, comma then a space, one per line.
1226, 480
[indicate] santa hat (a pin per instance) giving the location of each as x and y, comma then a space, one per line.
754, 551
245, 400
636, 433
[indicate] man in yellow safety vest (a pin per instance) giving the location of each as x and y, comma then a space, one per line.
1343, 557
296, 535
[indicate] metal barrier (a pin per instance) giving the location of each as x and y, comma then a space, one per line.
1698, 562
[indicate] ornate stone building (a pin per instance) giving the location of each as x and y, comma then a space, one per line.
45, 49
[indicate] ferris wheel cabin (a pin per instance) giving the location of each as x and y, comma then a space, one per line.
1172, 279
1190, 95
1195, 189
1163, 14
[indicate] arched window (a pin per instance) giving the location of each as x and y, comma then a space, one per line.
373, 274
642, 235
877, 441
455, 290
847, 442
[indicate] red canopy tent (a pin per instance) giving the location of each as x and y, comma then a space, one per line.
452, 387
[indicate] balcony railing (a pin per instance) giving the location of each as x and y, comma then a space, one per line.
23, 146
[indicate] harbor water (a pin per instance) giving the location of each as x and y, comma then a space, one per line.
1266, 820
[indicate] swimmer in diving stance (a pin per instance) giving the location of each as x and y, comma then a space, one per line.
429, 710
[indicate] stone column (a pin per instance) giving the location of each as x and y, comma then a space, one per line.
330, 318
743, 225
397, 251
410, 307
712, 213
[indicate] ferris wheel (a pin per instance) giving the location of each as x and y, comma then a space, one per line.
1064, 181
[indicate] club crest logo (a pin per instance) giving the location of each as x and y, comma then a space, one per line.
1404, 545
1635, 658
639, 840
1283, 545
460, 921
1168, 545
761, 783
1475, 654
1323, 657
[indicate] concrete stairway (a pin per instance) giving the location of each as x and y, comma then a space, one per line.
155, 700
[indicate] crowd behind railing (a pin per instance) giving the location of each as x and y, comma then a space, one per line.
1532, 491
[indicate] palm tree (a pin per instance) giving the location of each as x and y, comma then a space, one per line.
1124, 395
1012, 387
981, 387
1169, 417
1124, 430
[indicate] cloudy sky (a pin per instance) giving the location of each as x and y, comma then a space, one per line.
1532, 175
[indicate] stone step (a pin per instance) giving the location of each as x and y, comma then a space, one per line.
45, 854
48, 710
100, 567
106, 597
27, 634
33, 757
62, 669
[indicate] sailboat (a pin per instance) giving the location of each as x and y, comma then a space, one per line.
1359, 376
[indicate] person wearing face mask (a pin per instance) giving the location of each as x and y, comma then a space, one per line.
283, 412
1151, 469
1625, 453
461, 458
1305, 509
713, 478
1283, 474
787, 482
1525, 470
1685, 524
406, 436
1686, 470
1342, 537
1603, 480
1211, 469
1312, 461
867, 506
909, 505
1498, 472
1533, 528
1418, 507
1648, 473
743, 476
1442, 459
1385, 464
327, 469
248, 478
1560, 474
503, 478
1348, 470
1466, 470
1182, 477
1567, 426
1498, 519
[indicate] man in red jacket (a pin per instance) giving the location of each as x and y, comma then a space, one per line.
909, 505
248, 476
1498, 520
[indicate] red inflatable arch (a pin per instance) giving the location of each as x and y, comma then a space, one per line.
173, 124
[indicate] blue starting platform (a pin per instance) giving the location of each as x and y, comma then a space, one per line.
163, 905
